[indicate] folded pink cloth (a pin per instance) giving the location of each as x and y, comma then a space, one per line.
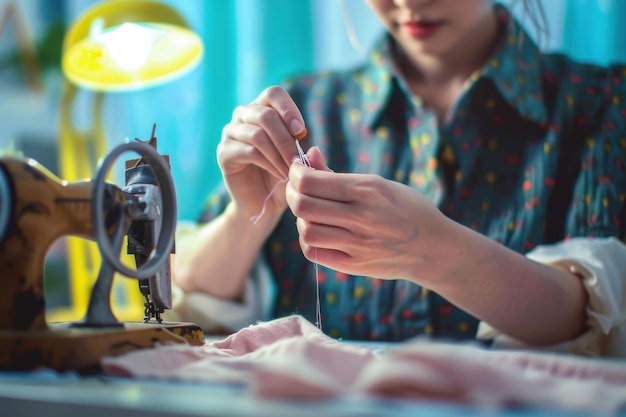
292, 359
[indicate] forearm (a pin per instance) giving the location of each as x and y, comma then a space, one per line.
217, 257
532, 302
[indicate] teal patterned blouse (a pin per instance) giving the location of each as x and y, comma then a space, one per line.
534, 152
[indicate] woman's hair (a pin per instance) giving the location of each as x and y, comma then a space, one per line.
352, 37
533, 10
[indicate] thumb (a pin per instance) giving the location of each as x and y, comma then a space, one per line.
317, 160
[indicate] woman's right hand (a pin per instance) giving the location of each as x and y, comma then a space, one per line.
256, 150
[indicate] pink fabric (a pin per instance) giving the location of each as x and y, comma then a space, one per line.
290, 358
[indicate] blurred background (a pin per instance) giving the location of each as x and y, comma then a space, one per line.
248, 45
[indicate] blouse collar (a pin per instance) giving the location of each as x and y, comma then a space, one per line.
514, 68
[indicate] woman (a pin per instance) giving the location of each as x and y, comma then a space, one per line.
469, 172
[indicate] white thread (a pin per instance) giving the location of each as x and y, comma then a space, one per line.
256, 218
318, 308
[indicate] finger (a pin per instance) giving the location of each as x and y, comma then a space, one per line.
324, 236
322, 211
274, 138
331, 258
321, 184
279, 99
258, 138
233, 154
317, 160
282, 118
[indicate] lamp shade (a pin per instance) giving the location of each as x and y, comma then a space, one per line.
124, 45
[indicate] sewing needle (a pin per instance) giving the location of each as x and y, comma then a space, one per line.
303, 158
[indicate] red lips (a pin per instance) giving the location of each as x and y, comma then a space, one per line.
421, 29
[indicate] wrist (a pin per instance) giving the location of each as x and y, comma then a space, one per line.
458, 254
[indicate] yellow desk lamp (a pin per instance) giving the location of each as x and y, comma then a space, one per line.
115, 46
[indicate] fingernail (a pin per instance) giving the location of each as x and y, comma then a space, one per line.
296, 127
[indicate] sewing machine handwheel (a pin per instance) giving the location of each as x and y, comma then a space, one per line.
165, 241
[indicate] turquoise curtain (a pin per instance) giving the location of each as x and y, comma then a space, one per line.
274, 40
595, 30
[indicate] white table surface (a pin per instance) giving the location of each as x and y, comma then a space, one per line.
45, 394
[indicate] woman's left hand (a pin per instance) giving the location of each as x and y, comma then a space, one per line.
363, 224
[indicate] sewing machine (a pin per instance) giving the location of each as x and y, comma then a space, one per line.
37, 208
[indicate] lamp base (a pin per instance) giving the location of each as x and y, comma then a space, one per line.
65, 348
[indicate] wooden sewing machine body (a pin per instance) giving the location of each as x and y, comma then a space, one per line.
41, 209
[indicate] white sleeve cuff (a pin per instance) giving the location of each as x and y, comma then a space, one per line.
213, 313
601, 264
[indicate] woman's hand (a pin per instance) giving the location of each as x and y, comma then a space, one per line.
256, 150
365, 225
